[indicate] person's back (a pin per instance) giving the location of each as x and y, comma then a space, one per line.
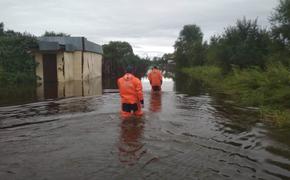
155, 78
131, 94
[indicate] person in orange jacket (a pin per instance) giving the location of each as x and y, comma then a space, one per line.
155, 78
131, 93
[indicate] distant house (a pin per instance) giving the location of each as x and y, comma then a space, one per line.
62, 59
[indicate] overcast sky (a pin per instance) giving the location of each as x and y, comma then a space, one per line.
150, 26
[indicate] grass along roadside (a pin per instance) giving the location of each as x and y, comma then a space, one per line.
268, 89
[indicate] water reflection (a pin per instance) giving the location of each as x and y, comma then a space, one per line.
70, 89
130, 145
207, 137
17, 94
155, 101
187, 85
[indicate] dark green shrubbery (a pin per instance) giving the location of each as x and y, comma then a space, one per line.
118, 55
267, 88
16, 62
247, 62
243, 45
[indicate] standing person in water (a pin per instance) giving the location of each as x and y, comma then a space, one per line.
155, 78
131, 93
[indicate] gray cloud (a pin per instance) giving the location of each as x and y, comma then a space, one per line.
151, 26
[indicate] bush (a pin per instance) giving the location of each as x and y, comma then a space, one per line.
206, 73
257, 87
16, 63
243, 45
267, 88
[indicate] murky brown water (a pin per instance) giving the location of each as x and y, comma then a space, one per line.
186, 133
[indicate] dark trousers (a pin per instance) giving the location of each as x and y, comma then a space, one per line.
129, 107
156, 88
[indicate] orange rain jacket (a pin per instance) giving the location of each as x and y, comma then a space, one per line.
155, 77
130, 89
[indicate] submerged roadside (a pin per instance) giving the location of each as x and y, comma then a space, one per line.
268, 89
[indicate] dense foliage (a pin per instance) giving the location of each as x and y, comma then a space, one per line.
243, 45
281, 23
280, 32
118, 55
268, 88
247, 62
189, 49
16, 62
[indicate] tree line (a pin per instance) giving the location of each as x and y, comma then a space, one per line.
243, 45
249, 63
118, 55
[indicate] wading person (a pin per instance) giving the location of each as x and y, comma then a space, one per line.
131, 93
155, 78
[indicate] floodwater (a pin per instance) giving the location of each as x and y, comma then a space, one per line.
187, 132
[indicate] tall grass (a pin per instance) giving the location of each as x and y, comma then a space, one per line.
268, 89
211, 75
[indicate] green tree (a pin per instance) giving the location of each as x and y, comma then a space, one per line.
189, 50
1, 28
212, 51
116, 50
114, 54
243, 45
118, 55
16, 62
280, 21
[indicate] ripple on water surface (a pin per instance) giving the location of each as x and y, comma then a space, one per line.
180, 136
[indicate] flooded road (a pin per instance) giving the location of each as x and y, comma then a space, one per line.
186, 133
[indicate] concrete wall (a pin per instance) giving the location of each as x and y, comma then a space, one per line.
39, 67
